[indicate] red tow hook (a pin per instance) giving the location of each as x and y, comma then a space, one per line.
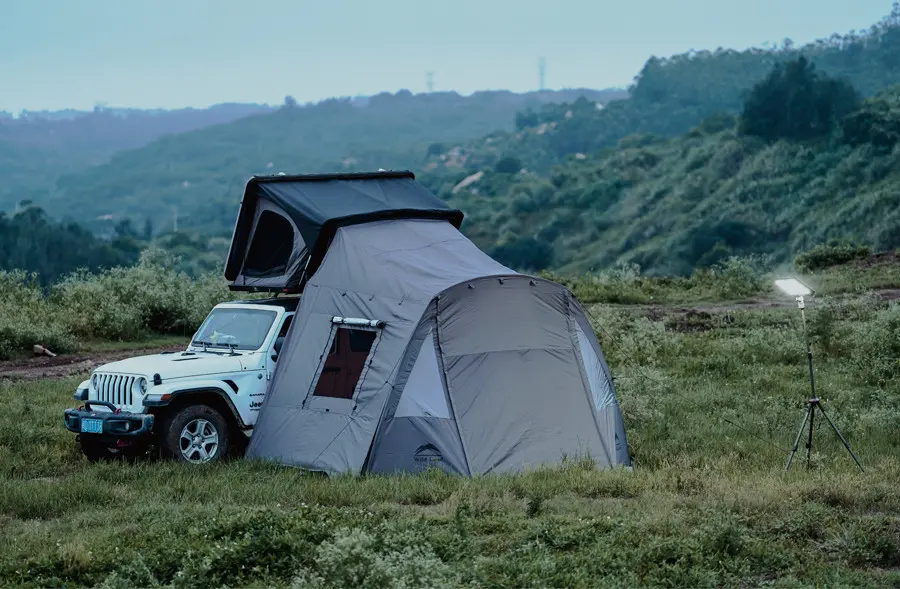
122, 443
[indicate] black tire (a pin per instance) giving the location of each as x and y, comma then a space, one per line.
95, 450
188, 435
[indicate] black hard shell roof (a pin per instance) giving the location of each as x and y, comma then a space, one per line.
321, 203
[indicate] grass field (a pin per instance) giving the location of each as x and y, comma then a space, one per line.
712, 399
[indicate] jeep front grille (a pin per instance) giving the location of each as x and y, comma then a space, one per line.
116, 388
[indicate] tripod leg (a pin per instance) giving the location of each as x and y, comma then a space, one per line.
843, 441
812, 417
797, 440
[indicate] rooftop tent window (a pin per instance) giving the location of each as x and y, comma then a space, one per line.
344, 363
315, 207
273, 243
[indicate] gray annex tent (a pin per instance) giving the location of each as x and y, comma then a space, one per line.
412, 348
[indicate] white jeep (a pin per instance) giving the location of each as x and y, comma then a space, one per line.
198, 405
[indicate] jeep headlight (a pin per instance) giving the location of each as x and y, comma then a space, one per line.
140, 386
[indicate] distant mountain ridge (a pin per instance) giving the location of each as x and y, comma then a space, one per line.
67, 114
37, 147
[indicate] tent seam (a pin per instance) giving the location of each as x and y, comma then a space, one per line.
446, 381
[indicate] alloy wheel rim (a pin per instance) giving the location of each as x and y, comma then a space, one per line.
199, 441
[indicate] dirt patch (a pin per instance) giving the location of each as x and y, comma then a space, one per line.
892, 294
64, 366
692, 321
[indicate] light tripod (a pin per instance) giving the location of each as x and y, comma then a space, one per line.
798, 289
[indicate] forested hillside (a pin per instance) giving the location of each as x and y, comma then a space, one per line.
31, 241
37, 147
672, 95
804, 162
202, 172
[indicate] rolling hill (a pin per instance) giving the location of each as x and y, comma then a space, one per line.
37, 147
673, 204
202, 172
670, 96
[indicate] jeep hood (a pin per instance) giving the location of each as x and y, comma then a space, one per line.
177, 365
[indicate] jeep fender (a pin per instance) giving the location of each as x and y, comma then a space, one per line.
165, 394
81, 392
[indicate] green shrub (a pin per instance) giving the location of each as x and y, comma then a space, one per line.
508, 165
735, 277
831, 254
126, 303
795, 101
524, 253
874, 348
390, 557
26, 318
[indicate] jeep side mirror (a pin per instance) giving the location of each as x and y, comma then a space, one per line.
277, 347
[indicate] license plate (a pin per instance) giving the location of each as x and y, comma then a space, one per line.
92, 426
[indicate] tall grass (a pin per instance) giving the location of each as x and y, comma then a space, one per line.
732, 278
155, 298
27, 318
130, 303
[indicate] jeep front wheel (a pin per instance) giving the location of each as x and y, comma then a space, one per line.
197, 434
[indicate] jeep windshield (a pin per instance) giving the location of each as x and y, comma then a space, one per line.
240, 329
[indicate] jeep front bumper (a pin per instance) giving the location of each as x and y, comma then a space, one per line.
111, 424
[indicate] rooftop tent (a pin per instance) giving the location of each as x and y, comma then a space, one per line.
286, 223
412, 348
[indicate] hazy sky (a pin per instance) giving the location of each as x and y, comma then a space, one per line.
169, 53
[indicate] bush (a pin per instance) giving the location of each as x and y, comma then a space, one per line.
387, 558
125, 303
876, 123
26, 318
508, 165
716, 123
832, 254
796, 102
524, 253
735, 277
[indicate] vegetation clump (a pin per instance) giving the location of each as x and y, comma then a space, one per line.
123, 303
796, 102
831, 254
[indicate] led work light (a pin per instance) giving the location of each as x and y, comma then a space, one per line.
798, 290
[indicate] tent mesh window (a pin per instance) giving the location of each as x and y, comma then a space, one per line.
345, 362
271, 248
